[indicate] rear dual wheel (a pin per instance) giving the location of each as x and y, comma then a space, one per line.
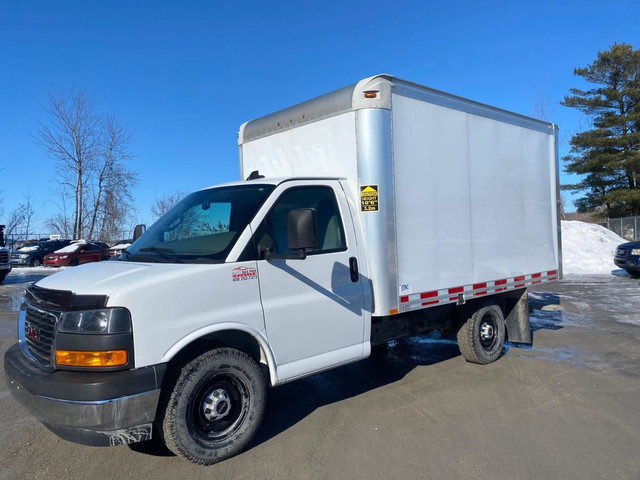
215, 408
482, 336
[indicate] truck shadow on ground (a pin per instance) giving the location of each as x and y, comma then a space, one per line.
290, 403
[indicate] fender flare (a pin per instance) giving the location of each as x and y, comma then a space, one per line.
265, 349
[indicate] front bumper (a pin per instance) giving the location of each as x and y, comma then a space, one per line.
20, 261
628, 263
91, 408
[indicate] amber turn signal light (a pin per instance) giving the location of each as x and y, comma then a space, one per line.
109, 358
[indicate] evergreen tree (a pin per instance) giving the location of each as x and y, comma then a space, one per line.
608, 155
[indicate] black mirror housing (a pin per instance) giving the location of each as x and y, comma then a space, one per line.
138, 231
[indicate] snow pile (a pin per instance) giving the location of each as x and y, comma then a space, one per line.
588, 248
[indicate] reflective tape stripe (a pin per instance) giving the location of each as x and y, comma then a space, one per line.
450, 295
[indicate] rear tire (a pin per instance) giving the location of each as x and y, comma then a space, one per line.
482, 336
215, 408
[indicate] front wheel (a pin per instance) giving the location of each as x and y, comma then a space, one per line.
482, 336
634, 273
36, 262
215, 408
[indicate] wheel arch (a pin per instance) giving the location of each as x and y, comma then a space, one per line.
230, 335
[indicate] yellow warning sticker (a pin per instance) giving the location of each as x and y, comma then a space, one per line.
369, 198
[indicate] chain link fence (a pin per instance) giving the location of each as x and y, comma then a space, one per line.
626, 227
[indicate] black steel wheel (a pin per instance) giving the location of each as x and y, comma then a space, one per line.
215, 408
36, 262
481, 338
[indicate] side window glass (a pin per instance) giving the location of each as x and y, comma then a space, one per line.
323, 201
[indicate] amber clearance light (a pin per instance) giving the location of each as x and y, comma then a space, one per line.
109, 358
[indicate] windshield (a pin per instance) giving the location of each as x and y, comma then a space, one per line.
202, 228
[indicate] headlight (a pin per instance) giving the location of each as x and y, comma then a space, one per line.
62, 257
108, 320
635, 251
24, 255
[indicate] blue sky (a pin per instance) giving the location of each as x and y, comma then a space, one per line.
184, 75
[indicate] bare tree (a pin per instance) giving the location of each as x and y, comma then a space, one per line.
539, 106
91, 151
14, 223
27, 212
112, 197
165, 202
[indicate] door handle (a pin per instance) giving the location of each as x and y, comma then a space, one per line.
353, 269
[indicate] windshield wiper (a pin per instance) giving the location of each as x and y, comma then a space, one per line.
163, 252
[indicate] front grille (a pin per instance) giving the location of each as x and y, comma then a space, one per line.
622, 252
4, 257
39, 326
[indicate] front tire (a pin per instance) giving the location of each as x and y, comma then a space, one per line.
36, 262
634, 273
215, 408
482, 336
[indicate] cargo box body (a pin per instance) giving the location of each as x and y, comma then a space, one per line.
457, 199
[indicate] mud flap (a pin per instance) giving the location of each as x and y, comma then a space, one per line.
517, 320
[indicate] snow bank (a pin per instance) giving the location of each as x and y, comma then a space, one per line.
588, 248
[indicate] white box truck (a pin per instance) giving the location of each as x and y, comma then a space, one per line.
380, 210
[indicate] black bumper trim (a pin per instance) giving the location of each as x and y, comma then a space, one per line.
80, 386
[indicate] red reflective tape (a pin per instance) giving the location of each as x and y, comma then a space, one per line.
519, 279
501, 282
535, 282
433, 302
476, 286
519, 285
552, 272
453, 299
536, 275
456, 290
477, 294
429, 294
404, 299
500, 289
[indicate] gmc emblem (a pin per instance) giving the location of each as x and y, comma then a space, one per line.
31, 332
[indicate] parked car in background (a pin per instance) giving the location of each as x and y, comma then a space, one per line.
33, 254
628, 257
117, 248
78, 253
5, 263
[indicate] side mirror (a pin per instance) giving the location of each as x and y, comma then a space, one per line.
138, 231
302, 230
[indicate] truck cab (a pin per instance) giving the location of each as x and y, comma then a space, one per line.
271, 268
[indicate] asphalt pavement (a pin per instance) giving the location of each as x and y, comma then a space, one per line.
566, 408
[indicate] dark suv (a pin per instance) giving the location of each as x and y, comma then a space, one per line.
33, 255
628, 257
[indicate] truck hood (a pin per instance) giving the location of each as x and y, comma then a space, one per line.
106, 278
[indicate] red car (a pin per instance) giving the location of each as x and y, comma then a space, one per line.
77, 253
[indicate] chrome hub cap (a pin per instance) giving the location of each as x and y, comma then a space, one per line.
216, 405
486, 332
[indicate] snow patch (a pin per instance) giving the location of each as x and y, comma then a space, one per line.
588, 248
